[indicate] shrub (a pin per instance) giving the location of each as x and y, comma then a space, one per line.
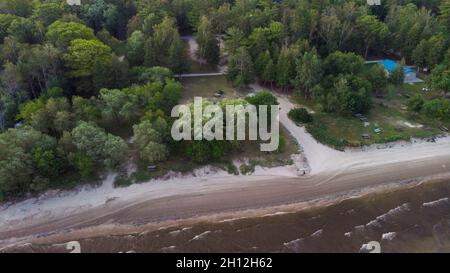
320, 133
206, 151
247, 169
231, 168
263, 98
415, 103
437, 108
122, 181
300, 115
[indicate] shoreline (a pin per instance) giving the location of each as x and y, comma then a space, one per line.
333, 175
110, 230
279, 187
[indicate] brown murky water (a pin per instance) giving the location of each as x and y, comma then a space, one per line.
405, 220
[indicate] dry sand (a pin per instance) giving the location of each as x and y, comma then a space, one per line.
59, 203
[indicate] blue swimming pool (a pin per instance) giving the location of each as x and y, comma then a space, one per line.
391, 65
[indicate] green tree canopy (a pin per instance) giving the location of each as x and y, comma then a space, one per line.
83, 54
61, 33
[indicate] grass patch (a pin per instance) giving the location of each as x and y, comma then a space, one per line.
321, 133
388, 113
196, 67
288, 146
207, 87
250, 150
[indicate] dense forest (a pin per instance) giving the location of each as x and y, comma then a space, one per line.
73, 77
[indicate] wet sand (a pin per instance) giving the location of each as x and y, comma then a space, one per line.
408, 218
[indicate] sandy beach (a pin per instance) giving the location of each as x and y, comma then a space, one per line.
208, 191
403, 217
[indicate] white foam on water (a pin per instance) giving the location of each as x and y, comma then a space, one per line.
391, 213
200, 236
436, 202
294, 245
388, 236
317, 233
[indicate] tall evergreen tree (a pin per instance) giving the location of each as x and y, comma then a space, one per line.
208, 45
309, 72
240, 68
285, 69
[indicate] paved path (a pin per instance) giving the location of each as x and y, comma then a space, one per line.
200, 75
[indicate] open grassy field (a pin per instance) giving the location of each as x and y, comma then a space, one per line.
196, 67
206, 87
388, 113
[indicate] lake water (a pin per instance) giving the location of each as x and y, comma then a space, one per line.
413, 219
